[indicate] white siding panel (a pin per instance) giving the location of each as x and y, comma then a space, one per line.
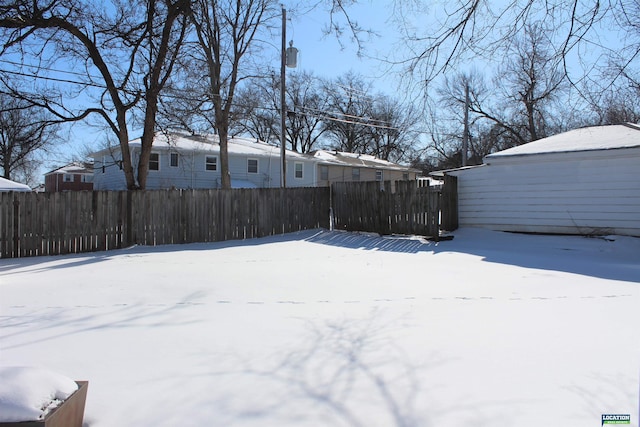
308, 173
562, 194
111, 179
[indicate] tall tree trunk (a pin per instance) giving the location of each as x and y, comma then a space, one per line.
148, 135
531, 111
122, 133
225, 174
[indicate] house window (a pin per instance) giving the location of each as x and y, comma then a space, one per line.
405, 176
252, 165
87, 178
173, 160
67, 177
154, 162
298, 170
211, 163
379, 175
324, 173
355, 174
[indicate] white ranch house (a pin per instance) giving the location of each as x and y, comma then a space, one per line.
585, 181
182, 160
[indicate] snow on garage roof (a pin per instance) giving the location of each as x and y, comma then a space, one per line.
584, 139
8, 185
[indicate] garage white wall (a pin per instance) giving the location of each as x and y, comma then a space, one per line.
591, 192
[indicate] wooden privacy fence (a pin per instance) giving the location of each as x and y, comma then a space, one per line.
33, 224
378, 207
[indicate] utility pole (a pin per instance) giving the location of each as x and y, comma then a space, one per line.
465, 137
283, 103
288, 58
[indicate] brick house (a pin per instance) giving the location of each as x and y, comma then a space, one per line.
75, 176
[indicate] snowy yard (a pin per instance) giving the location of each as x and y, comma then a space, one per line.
325, 328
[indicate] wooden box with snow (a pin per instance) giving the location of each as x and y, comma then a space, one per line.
33, 397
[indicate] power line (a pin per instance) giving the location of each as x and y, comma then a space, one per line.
325, 115
353, 91
40, 67
364, 121
54, 79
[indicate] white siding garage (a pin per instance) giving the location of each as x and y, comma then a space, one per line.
586, 181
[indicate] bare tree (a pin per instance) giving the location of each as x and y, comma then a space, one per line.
531, 80
227, 43
126, 51
322, 113
358, 120
305, 100
488, 117
467, 29
257, 110
624, 62
349, 113
394, 135
614, 93
24, 130
526, 100
618, 104
166, 26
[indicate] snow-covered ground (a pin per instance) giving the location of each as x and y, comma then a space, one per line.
325, 328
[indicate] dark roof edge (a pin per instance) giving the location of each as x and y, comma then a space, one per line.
497, 155
443, 172
631, 126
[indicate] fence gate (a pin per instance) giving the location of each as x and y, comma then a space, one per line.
401, 207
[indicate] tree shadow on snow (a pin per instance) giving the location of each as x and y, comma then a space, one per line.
37, 325
347, 372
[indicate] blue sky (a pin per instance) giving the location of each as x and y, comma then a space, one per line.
327, 57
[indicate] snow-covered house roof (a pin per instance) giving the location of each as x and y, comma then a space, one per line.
8, 185
183, 141
356, 160
73, 168
594, 138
